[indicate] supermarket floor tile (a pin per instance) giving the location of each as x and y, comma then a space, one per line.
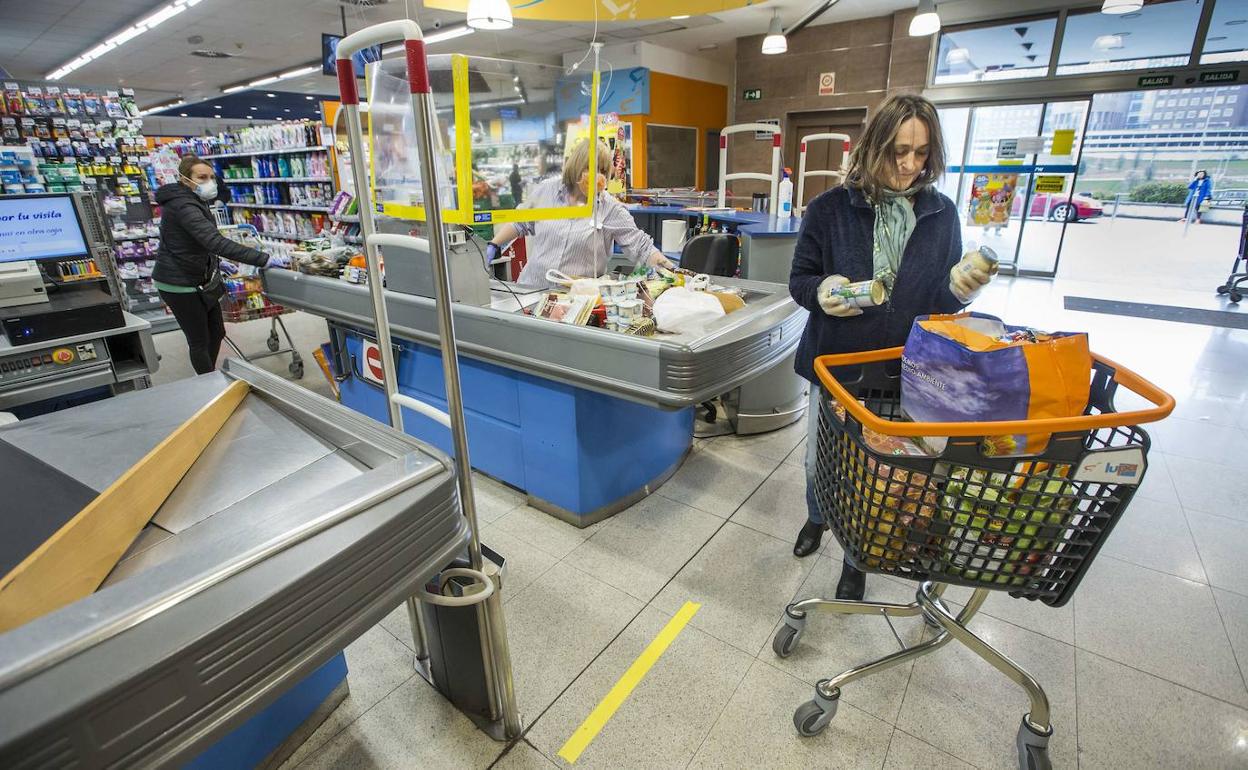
1222, 543
905, 752
718, 478
1156, 535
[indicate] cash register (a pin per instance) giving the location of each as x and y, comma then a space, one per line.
63, 330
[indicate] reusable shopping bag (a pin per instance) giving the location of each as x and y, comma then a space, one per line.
974, 368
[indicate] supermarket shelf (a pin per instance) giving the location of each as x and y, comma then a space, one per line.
264, 179
254, 153
277, 207
133, 238
345, 217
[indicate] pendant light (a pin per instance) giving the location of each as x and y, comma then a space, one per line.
926, 21
1117, 7
775, 41
489, 14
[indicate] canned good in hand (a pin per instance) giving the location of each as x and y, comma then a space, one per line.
863, 293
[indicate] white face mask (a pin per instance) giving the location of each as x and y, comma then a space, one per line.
205, 190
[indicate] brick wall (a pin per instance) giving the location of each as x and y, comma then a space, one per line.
872, 58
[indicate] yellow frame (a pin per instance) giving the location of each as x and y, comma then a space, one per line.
463, 213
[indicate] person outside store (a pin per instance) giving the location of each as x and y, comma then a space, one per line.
886, 222
576, 247
1199, 190
189, 265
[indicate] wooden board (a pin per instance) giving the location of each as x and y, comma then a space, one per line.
75, 560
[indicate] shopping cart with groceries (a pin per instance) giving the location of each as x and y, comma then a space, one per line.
1030, 526
245, 300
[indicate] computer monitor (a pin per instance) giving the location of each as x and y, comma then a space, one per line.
40, 227
360, 59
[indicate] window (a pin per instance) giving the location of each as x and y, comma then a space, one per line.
1232, 98
1227, 38
1168, 116
671, 156
1019, 49
1158, 35
1182, 102
1191, 113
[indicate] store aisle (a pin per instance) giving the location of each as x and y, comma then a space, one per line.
1144, 669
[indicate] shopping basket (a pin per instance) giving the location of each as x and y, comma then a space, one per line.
245, 300
1030, 526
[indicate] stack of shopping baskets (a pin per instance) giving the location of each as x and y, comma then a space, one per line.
1029, 526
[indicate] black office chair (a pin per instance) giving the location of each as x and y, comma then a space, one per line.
711, 253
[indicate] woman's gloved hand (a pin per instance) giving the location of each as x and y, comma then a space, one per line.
277, 260
492, 252
228, 268
966, 281
832, 303
656, 259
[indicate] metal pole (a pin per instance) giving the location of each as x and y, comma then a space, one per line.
426, 127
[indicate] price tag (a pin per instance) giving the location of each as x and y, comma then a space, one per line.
135, 199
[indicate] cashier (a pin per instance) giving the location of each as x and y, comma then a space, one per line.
887, 222
189, 262
576, 247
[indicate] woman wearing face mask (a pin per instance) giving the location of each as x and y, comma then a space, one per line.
189, 265
576, 247
886, 222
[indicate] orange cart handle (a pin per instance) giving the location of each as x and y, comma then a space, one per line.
1163, 404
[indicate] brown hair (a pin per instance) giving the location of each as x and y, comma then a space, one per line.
188, 164
872, 161
577, 163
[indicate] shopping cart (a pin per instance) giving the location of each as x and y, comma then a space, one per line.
1239, 268
245, 300
1030, 526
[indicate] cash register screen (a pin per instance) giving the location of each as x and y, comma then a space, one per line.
40, 227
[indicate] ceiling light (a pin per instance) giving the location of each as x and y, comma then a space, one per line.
271, 95
489, 14
182, 114
775, 42
253, 108
233, 89
957, 55
163, 106
216, 106
300, 72
1107, 42
926, 21
263, 81
286, 110
680, 17
1121, 6
309, 98
450, 33
115, 41
216, 116
708, 46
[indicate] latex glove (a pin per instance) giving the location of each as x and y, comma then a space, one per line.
833, 304
277, 260
227, 268
966, 282
656, 259
492, 252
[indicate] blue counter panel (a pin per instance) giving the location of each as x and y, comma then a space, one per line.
573, 448
250, 743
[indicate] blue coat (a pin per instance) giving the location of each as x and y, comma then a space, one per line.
836, 239
1200, 189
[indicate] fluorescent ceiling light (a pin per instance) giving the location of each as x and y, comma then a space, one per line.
775, 41
450, 33
300, 72
163, 106
489, 14
926, 21
263, 81
1121, 6
233, 89
113, 42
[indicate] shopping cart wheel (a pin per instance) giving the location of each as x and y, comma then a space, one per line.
785, 641
1236, 296
296, 369
274, 343
1033, 748
1223, 289
811, 718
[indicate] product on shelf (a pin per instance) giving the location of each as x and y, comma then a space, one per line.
279, 138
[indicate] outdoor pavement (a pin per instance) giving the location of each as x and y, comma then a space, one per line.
1144, 668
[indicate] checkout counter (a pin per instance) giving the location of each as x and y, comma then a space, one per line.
767, 242
64, 337
586, 421
300, 526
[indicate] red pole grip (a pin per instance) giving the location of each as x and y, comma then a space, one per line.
723, 141
417, 66
347, 88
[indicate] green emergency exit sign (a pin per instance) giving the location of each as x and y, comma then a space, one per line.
752, 94
1219, 76
1153, 81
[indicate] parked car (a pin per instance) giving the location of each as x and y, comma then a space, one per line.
1058, 207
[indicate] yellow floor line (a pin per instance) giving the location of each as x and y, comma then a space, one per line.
624, 687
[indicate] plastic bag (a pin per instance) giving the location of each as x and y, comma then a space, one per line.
680, 310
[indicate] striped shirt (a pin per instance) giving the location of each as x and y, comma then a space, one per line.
577, 247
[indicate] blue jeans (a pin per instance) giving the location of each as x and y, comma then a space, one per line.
812, 440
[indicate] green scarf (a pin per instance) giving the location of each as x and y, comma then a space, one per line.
894, 223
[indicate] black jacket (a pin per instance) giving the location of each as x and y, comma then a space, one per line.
190, 242
836, 239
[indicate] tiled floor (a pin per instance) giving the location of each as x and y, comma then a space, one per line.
1144, 668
